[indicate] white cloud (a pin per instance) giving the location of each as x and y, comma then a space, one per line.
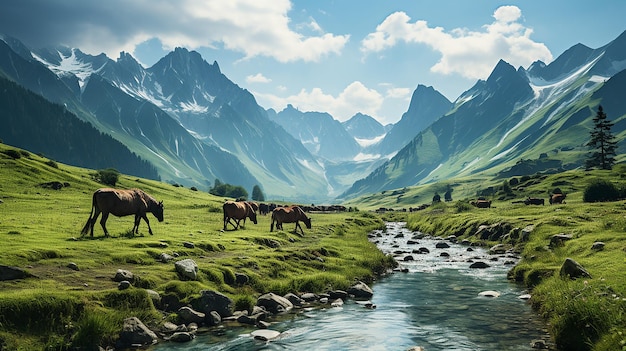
472, 54
356, 97
257, 78
251, 27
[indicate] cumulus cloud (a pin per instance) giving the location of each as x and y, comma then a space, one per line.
257, 78
355, 97
472, 54
251, 27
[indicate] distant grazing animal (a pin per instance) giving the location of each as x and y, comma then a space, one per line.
557, 199
120, 202
289, 214
481, 203
238, 211
534, 201
264, 208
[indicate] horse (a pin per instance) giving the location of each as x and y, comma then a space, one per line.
121, 202
534, 201
557, 199
238, 210
289, 214
481, 203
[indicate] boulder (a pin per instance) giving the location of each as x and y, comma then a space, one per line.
187, 269
122, 275
135, 334
274, 303
338, 294
12, 273
210, 300
182, 337
123, 285
73, 266
294, 299
573, 270
497, 249
360, 290
559, 239
479, 264
241, 279
189, 315
265, 334
442, 245
598, 246
525, 233
213, 318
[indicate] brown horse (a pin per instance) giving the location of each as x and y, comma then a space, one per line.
238, 210
120, 202
557, 199
289, 214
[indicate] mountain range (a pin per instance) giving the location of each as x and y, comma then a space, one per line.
186, 123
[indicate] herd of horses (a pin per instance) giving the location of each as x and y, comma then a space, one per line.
136, 202
119, 202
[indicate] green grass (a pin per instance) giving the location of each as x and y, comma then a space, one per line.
40, 230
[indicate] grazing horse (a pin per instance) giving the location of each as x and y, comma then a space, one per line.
120, 202
534, 201
557, 199
289, 214
238, 210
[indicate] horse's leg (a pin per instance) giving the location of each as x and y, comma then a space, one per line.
94, 219
298, 226
103, 222
135, 229
145, 218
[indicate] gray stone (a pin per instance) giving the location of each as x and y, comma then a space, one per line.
559, 239
294, 299
182, 337
442, 245
360, 290
163, 257
122, 275
73, 266
573, 270
189, 315
123, 285
210, 300
525, 234
188, 269
274, 303
12, 273
479, 264
189, 245
241, 279
134, 332
497, 249
598, 246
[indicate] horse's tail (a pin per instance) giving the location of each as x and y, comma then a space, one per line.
272, 225
88, 225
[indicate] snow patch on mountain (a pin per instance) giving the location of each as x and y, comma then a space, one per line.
469, 165
507, 151
70, 65
369, 142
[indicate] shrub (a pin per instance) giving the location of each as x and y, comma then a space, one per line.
52, 164
108, 176
601, 190
12, 153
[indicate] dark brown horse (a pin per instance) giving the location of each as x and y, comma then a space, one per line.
120, 202
557, 199
238, 210
289, 214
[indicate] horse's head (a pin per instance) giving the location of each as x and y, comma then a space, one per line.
307, 222
251, 212
158, 211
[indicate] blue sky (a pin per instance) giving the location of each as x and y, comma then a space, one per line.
336, 56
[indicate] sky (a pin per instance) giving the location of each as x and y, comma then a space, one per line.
337, 56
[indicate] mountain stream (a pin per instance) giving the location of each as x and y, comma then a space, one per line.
435, 303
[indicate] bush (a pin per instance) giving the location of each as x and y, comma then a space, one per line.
52, 164
601, 190
12, 153
108, 176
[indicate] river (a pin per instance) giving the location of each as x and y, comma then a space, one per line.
435, 303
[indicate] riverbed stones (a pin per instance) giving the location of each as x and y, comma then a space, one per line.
442, 245
489, 293
274, 303
182, 337
187, 269
294, 299
265, 334
360, 290
573, 270
135, 334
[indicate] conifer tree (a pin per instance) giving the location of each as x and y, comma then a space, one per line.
602, 143
257, 194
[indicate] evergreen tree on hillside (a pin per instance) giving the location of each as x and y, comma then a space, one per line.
602, 143
257, 194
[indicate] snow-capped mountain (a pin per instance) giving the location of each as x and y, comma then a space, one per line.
518, 119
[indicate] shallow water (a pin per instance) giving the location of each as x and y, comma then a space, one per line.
435, 304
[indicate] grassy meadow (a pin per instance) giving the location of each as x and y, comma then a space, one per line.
59, 307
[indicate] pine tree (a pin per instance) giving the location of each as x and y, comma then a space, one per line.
257, 194
602, 143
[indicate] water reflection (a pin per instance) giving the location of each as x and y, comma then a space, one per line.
435, 305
